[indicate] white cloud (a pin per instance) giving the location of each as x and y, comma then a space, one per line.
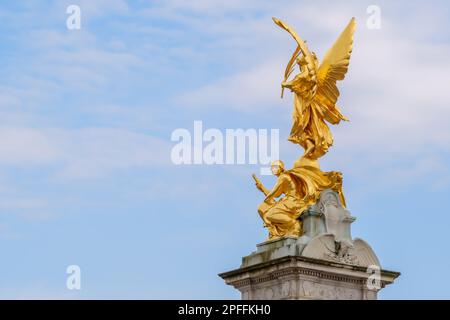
255, 89
79, 61
81, 154
94, 152
98, 8
21, 203
25, 146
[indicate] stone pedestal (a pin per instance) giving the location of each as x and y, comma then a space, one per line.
324, 263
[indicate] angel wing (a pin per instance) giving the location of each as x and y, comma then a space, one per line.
333, 68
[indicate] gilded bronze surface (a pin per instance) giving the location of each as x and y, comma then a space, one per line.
315, 96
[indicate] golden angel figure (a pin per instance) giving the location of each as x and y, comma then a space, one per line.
315, 91
315, 97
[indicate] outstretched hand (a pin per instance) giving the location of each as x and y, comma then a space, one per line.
258, 183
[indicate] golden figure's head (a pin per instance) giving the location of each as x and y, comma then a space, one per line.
277, 167
309, 62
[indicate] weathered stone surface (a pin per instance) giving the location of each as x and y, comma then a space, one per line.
324, 263
305, 278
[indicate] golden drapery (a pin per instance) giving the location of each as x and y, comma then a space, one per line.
315, 97
282, 217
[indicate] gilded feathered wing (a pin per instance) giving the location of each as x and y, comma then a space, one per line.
333, 68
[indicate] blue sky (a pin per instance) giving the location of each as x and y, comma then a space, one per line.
86, 119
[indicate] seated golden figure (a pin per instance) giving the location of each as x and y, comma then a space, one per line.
298, 188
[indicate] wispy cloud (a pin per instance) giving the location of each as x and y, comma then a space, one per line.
83, 153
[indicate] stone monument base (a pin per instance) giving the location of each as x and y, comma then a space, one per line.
324, 263
298, 278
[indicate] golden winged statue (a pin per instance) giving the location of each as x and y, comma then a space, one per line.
315, 97
315, 90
